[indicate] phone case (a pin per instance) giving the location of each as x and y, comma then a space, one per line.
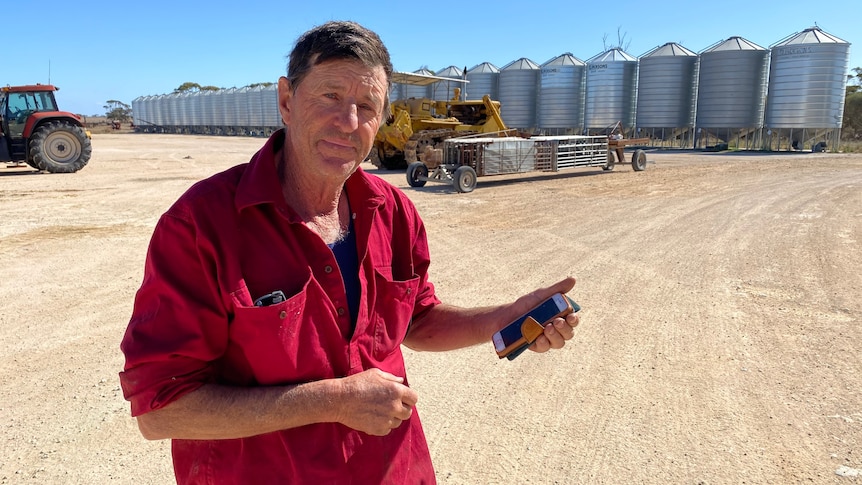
516, 337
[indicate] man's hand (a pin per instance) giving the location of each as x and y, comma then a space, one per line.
560, 329
375, 402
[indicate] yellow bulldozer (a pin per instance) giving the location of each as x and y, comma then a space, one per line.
415, 124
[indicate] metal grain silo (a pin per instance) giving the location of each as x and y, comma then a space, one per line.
226, 115
395, 92
519, 90
731, 92
667, 83
194, 111
807, 81
138, 110
562, 86
255, 108
411, 91
483, 79
149, 120
207, 99
157, 105
611, 91
182, 109
271, 115
444, 90
174, 112
242, 107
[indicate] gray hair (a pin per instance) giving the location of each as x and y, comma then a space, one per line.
338, 40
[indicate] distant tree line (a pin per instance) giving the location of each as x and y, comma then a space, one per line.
851, 128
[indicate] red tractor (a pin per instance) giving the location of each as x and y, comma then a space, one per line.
33, 131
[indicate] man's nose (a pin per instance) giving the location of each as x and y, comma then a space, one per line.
347, 118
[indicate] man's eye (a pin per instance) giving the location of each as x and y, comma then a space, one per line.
331, 95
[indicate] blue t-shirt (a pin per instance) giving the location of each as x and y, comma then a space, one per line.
348, 262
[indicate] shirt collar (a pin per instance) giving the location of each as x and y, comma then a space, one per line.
259, 183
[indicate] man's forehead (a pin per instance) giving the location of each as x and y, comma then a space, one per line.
352, 68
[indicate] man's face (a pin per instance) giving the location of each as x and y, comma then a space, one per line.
332, 116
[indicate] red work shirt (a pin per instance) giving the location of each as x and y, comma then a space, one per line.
231, 239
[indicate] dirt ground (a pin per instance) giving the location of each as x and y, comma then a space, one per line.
720, 335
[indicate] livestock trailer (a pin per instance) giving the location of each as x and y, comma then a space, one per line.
462, 160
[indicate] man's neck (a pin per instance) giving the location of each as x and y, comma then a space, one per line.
321, 204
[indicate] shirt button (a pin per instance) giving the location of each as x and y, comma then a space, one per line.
282, 315
327, 269
341, 312
409, 290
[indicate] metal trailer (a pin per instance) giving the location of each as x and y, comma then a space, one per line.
463, 160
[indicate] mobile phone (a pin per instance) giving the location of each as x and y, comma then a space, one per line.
515, 337
268, 299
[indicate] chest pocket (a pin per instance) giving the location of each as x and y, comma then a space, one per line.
394, 303
292, 341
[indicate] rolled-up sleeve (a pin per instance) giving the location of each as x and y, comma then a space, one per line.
427, 298
178, 325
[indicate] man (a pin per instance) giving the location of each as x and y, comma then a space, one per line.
265, 338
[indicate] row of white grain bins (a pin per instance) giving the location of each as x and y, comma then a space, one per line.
734, 92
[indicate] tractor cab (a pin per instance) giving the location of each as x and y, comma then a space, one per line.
18, 106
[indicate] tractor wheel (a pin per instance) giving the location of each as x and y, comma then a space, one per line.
639, 160
465, 179
60, 147
416, 173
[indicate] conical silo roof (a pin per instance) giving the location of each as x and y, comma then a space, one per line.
671, 49
520, 64
811, 35
611, 55
734, 43
444, 90
485, 67
451, 71
566, 59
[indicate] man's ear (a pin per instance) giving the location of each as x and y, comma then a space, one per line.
284, 97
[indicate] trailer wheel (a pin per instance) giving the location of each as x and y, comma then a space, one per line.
639, 160
60, 147
416, 173
611, 160
465, 179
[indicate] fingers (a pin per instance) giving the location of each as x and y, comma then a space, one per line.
538, 296
563, 286
409, 397
556, 333
386, 375
377, 402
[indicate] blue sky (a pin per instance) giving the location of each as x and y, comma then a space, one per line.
96, 51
